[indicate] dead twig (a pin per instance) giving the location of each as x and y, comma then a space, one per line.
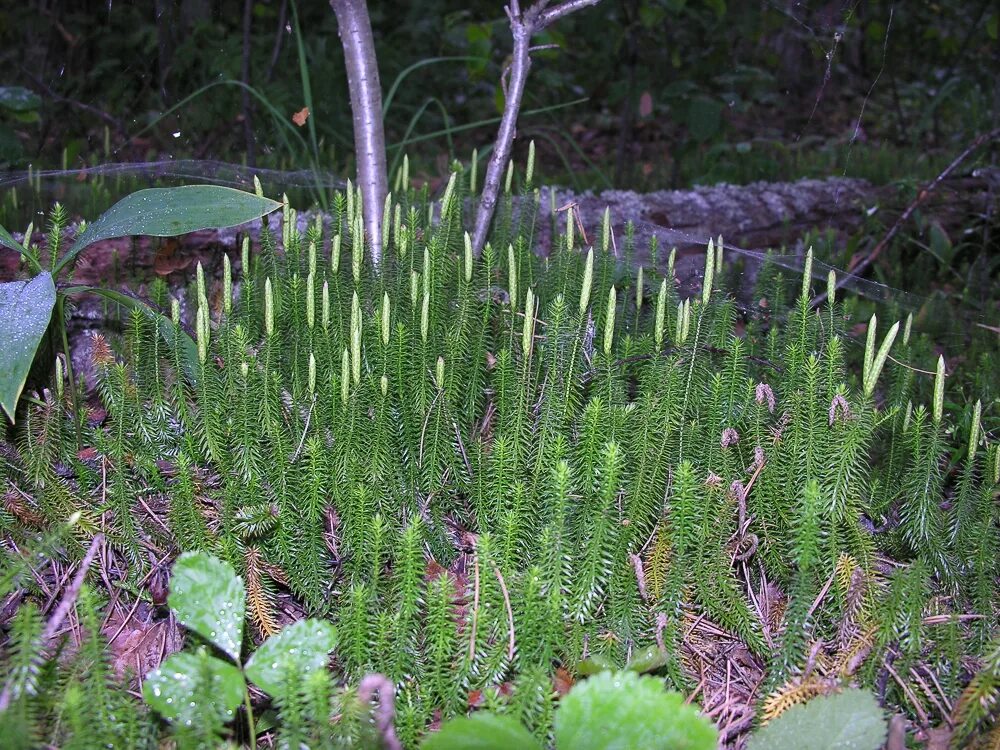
854, 269
55, 622
523, 26
475, 609
510, 612
385, 709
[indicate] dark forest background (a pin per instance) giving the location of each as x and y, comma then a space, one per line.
641, 94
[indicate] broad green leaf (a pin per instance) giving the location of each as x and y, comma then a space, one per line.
647, 660
285, 659
7, 240
165, 326
941, 246
481, 731
25, 311
166, 212
210, 599
18, 99
595, 664
171, 690
621, 711
851, 720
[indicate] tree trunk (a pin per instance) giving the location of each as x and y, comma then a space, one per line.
366, 108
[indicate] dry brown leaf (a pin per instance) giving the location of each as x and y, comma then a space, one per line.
563, 681
141, 640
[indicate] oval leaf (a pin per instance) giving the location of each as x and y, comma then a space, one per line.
284, 660
171, 690
19, 99
641, 712
210, 599
25, 311
481, 731
595, 664
166, 212
648, 659
851, 720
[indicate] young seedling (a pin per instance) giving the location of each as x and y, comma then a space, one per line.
198, 690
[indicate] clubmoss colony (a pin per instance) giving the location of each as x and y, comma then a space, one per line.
482, 469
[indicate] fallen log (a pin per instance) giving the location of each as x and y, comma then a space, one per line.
753, 217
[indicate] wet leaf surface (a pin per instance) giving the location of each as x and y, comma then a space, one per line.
481, 731
167, 212
210, 599
172, 689
285, 660
641, 712
851, 720
25, 311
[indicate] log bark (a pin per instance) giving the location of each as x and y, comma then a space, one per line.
757, 217
754, 217
763, 215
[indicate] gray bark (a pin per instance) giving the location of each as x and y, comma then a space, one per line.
366, 107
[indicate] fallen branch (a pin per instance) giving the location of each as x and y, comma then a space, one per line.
100, 114
854, 269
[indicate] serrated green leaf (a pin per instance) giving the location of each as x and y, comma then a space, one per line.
25, 311
621, 711
167, 212
704, 118
171, 689
210, 599
285, 659
851, 720
481, 731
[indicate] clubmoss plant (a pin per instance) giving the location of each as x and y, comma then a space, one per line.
504, 466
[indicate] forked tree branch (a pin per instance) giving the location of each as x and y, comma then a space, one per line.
523, 26
355, 30
563, 9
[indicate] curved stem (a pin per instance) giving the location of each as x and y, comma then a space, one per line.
521, 63
251, 726
60, 316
